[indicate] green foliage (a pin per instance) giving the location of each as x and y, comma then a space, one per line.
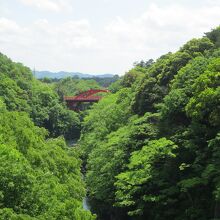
155, 84
214, 36
9, 214
105, 81
131, 77
106, 116
21, 92
204, 105
38, 177
115, 86
145, 175
151, 150
13, 96
108, 159
72, 86
146, 64
2, 106
197, 46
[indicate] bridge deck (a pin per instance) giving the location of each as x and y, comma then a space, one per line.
88, 96
82, 99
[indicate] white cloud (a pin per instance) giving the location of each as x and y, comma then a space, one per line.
66, 36
8, 26
157, 31
167, 26
75, 45
45, 43
48, 5
4, 11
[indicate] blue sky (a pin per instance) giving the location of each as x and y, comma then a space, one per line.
99, 36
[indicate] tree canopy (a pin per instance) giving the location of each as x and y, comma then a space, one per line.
151, 149
40, 176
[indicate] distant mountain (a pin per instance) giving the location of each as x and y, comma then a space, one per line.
63, 74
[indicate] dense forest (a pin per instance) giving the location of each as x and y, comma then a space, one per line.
40, 176
152, 148
148, 151
76, 84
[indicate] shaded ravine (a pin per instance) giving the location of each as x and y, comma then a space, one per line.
86, 206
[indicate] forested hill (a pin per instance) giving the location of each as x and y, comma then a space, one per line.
152, 149
40, 177
63, 74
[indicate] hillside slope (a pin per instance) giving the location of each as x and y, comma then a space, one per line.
152, 149
40, 177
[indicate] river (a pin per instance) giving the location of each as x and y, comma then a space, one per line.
86, 205
72, 143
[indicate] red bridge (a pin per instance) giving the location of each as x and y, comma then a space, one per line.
74, 102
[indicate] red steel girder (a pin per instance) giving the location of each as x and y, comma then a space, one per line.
86, 96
